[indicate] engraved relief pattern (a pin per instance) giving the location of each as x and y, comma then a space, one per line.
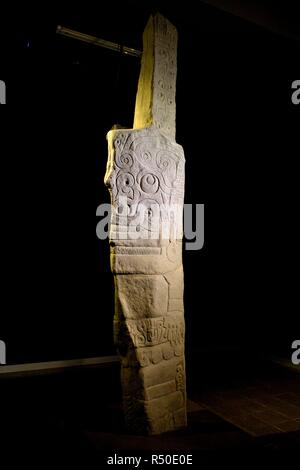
165, 77
145, 177
148, 170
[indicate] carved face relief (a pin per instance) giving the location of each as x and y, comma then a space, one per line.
145, 175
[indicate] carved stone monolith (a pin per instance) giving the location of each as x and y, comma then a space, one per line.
145, 176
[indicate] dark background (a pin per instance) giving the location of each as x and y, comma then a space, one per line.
240, 133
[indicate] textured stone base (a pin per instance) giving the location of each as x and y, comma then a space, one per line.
154, 397
145, 176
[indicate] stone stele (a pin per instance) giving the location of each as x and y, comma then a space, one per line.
145, 176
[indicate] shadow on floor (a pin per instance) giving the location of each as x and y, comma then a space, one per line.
249, 411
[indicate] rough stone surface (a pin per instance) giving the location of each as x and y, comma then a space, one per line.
145, 176
155, 103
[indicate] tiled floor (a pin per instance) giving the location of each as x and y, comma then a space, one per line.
244, 410
258, 406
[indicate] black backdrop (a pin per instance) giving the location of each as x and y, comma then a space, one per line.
240, 133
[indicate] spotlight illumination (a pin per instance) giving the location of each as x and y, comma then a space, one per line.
70, 33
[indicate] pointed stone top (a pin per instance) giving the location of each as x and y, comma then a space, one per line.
155, 101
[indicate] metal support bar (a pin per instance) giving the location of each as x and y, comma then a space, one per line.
70, 33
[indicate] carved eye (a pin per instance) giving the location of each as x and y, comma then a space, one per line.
149, 183
126, 179
124, 161
150, 179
